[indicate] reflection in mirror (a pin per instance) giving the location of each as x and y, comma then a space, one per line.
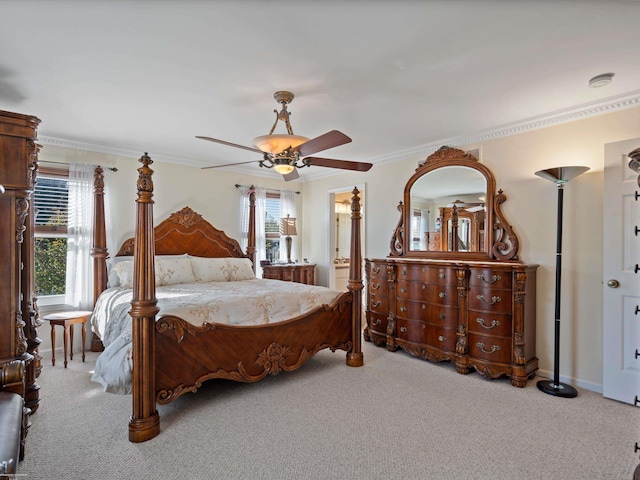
448, 211
343, 227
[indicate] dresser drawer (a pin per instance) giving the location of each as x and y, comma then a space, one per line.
415, 290
412, 310
377, 271
488, 277
442, 295
442, 338
378, 286
442, 276
443, 316
489, 323
419, 273
492, 349
378, 322
378, 303
412, 330
490, 300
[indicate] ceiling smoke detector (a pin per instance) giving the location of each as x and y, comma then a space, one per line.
601, 80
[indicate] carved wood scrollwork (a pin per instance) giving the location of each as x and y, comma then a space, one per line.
22, 208
506, 245
397, 239
273, 359
180, 327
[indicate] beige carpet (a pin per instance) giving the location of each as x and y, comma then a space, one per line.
397, 417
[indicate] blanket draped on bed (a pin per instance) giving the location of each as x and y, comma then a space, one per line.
241, 303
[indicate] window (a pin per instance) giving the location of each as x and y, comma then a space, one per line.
272, 226
50, 207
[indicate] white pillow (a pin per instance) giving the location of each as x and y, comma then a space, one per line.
124, 271
221, 269
115, 277
172, 271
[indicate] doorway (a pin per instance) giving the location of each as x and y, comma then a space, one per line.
339, 231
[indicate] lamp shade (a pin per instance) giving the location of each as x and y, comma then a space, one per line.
278, 143
288, 226
560, 175
283, 168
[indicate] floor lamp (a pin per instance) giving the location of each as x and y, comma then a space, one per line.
559, 176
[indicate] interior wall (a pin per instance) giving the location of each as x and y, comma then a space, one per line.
531, 210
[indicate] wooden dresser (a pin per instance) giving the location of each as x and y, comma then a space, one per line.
293, 272
469, 300
479, 316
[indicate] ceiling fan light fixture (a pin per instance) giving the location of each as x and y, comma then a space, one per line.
278, 143
283, 168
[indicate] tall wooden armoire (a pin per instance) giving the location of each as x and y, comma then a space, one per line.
19, 359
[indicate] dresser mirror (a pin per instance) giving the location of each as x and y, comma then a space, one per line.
452, 211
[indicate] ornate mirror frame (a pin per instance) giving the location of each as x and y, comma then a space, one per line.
500, 239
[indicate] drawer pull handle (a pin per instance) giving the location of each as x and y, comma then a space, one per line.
376, 321
494, 323
424, 306
403, 329
375, 269
403, 290
442, 338
442, 275
494, 279
441, 316
442, 294
375, 303
404, 272
403, 309
494, 348
493, 300
375, 286
424, 269
424, 286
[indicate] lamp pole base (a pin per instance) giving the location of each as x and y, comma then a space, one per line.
557, 389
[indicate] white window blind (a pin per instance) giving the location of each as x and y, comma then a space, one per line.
51, 202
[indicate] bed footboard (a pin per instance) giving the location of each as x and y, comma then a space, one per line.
187, 355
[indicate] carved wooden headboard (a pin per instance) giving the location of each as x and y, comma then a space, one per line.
186, 231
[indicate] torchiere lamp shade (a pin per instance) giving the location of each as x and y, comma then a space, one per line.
561, 174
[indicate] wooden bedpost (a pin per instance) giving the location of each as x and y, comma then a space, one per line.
251, 235
355, 357
145, 421
99, 246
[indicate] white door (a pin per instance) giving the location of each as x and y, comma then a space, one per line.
621, 261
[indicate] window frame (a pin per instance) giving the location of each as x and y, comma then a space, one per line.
50, 231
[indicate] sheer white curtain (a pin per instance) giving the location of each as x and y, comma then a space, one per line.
79, 277
261, 199
288, 207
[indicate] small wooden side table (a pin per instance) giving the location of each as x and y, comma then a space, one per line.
67, 320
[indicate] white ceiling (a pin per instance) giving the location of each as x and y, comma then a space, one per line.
142, 75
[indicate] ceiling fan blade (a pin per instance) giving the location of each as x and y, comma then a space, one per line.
343, 164
229, 144
230, 164
291, 176
331, 139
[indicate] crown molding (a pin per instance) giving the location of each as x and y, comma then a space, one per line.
608, 105
592, 109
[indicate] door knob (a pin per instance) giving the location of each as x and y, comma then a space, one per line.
613, 283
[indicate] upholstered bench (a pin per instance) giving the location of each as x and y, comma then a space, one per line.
12, 421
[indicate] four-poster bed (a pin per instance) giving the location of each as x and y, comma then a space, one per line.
172, 356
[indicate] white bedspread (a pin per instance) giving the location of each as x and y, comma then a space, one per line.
247, 302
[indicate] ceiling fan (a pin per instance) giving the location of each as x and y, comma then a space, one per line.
285, 153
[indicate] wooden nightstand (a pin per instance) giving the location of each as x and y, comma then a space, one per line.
67, 320
292, 272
